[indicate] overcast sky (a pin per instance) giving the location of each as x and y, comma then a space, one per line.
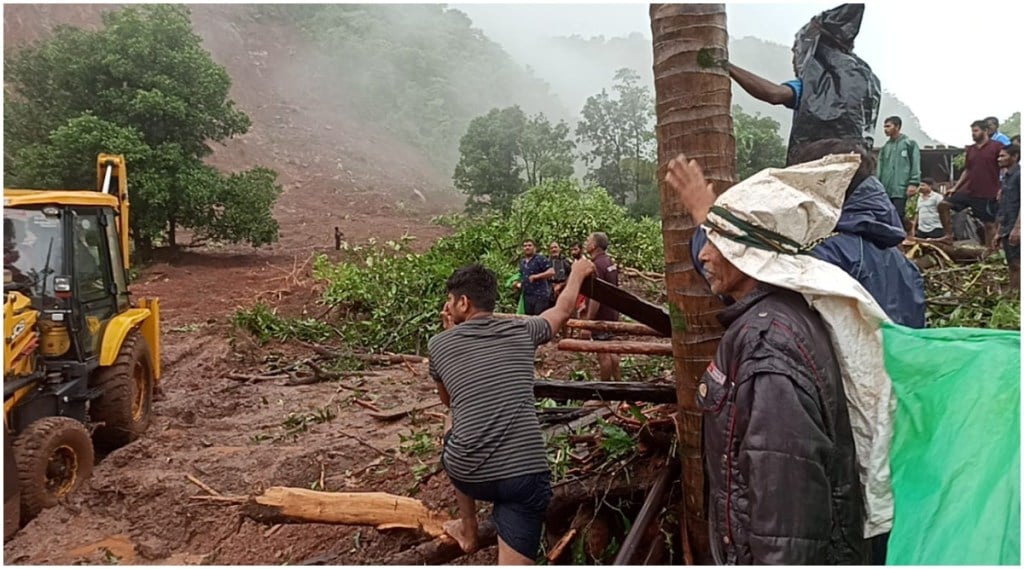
924, 53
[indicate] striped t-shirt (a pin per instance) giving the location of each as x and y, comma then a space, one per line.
486, 365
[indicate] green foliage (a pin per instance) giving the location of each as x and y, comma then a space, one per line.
416, 443
142, 86
420, 70
615, 441
263, 322
503, 153
758, 145
616, 129
392, 296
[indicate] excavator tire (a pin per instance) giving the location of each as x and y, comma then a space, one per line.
125, 408
54, 457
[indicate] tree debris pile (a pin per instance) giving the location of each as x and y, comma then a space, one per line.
974, 295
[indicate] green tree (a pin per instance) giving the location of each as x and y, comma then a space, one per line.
489, 168
546, 151
758, 144
142, 86
616, 129
503, 153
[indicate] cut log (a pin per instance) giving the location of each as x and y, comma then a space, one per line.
384, 511
604, 391
443, 549
652, 505
630, 328
399, 412
616, 347
629, 304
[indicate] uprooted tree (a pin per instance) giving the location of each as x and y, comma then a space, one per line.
141, 86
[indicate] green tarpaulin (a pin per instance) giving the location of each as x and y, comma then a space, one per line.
955, 455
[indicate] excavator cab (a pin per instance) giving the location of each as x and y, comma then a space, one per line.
81, 356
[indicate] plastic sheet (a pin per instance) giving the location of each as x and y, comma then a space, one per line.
841, 95
955, 455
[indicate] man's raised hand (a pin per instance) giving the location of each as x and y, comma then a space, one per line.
691, 188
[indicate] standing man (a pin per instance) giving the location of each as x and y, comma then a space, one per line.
495, 449
992, 124
605, 269
561, 266
899, 166
1009, 211
534, 272
978, 185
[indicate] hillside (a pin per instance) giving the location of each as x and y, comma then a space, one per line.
325, 153
578, 67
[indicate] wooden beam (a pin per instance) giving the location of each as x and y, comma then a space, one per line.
605, 391
629, 328
629, 304
648, 512
616, 347
384, 511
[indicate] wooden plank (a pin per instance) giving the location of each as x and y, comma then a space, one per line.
629, 304
615, 347
605, 391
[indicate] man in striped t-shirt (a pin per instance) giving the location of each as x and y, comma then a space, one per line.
484, 369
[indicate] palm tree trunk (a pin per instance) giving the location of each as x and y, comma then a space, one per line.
693, 117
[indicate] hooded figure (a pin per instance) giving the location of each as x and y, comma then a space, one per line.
839, 94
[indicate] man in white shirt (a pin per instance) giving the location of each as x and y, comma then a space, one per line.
927, 224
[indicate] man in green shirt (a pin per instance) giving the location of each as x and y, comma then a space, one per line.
899, 166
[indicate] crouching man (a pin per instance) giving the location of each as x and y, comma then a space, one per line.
779, 452
484, 369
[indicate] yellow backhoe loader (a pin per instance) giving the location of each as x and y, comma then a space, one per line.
81, 356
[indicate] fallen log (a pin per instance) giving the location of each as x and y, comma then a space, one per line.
652, 505
605, 391
616, 347
278, 505
630, 328
399, 412
442, 549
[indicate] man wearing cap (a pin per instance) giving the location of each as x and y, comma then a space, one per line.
795, 400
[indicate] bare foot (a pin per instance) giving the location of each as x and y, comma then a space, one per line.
467, 542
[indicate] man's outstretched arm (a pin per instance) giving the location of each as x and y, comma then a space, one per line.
762, 89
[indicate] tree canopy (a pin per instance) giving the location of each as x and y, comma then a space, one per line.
503, 153
141, 86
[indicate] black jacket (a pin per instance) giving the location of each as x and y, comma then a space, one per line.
779, 458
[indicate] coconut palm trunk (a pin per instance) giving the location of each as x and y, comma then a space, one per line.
693, 107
